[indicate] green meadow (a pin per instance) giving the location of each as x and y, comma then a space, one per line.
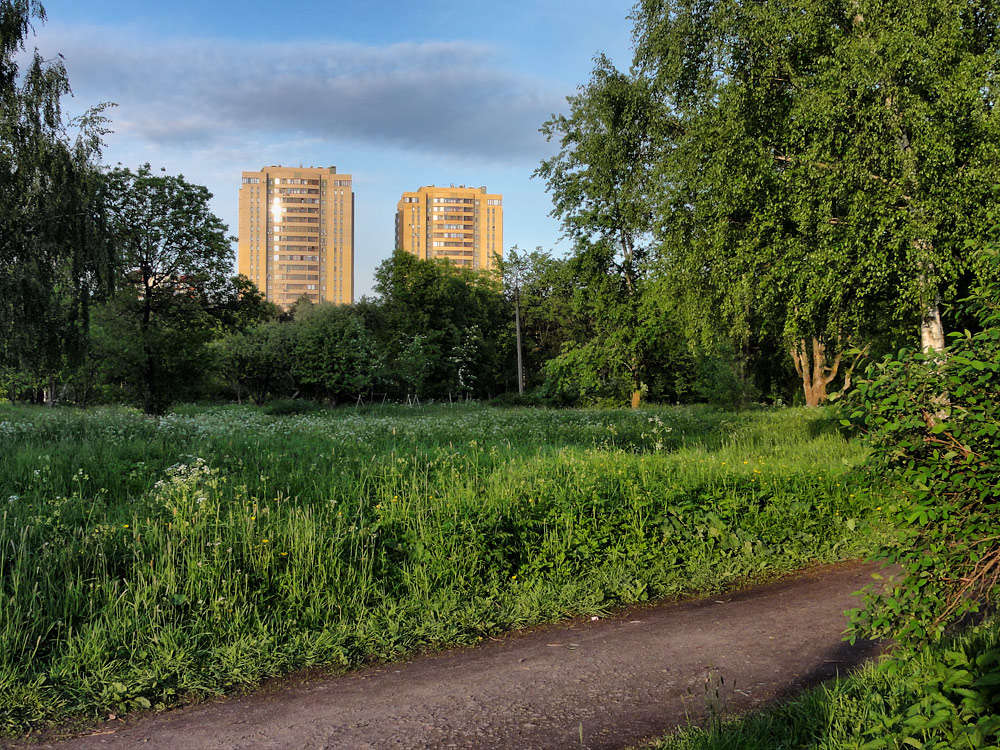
146, 562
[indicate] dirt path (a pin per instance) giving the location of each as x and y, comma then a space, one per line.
597, 685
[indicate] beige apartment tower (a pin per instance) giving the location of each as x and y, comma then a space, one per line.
461, 224
296, 233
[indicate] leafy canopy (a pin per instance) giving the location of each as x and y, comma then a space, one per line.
830, 159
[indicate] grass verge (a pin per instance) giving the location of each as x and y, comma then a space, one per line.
943, 696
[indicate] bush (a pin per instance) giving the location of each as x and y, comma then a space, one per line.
718, 384
516, 399
933, 422
287, 406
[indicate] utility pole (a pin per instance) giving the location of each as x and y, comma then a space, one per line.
517, 325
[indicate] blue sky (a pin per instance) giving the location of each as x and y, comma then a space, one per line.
397, 94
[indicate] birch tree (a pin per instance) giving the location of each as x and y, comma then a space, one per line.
610, 144
831, 159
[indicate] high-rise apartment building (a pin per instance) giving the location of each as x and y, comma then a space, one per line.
462, 224
296, 233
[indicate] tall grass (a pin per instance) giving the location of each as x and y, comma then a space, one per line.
143, 562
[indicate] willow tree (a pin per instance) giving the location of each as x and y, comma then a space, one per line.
832, 158
54, 259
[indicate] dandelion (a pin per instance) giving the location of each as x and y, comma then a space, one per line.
125, 526
263, 541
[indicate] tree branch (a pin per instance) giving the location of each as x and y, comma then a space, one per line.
831, 168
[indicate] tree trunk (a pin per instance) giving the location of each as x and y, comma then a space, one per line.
816, 375
932, 330
850, 370
151, 404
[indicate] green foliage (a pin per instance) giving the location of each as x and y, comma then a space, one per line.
716, 381
952, 700
543, 287
933, 423
440, 326
827, 164
332, 355
609, 148
601, 186
258, 361
168, 240
511, 399
153, 362
435, 332
175, 263
240, 305
157, 560
581, 374
287, 406
942, 696
620, 343
54, 256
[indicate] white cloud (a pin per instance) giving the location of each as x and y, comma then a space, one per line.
437, 97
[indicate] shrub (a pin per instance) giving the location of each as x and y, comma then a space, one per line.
517, 399
933, 423
287, 406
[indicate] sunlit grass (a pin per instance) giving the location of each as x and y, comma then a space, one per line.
944, 696
149, 561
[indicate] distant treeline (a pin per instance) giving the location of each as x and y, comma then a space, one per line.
433, 331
